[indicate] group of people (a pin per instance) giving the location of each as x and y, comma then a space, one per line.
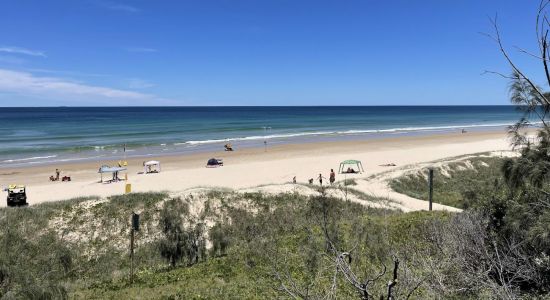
331, 178
350, 171
57, 176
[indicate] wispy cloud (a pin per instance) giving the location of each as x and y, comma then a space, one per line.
31, 85
19, 50
141, 49
9, 59
137, 83
119, 6
66, 73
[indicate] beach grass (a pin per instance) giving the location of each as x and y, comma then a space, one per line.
456, 184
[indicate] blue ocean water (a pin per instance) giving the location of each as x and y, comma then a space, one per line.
31, 136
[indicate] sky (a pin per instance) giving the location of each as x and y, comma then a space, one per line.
260, 52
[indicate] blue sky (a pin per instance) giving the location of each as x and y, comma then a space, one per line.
258, 52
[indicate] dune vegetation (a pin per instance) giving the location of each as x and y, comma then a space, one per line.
217, 244
459, 184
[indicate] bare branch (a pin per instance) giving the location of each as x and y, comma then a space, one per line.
498, 40
497, 73
544, 51
529, 53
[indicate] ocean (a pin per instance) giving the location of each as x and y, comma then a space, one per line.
31, 136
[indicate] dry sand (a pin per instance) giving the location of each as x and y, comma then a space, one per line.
249, 168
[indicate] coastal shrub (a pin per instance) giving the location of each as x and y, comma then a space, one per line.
183, 236
32, 266
460, 184
219, 237
260, 244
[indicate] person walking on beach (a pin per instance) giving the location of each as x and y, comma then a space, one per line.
332, 176
57, 172
320, 179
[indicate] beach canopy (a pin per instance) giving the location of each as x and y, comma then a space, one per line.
351, 166
108, 169
152, 166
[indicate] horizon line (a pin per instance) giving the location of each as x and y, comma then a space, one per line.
190, 106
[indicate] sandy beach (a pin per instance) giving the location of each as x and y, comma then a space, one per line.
251, 167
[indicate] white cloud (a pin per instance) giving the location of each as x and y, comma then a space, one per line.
31, 85
18, 50
137, 83
67, 73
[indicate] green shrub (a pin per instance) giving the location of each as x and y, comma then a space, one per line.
457, 185
183, 236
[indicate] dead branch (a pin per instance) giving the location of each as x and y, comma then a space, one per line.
393, 282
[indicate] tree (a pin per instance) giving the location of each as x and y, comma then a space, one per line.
183, 236
220, 239
525, 93
326, 211
520, 234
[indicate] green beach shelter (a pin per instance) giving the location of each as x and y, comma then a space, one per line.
351, 166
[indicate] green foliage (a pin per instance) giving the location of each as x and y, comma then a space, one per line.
217, 278
459, 184
259, 243
281, 234
22, 259
523, 212
219, 235
532, 168
505, 234
183, 236
49, 248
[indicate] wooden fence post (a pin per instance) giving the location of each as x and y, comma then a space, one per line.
431, 186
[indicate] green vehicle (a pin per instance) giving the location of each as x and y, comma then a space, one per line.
17, 195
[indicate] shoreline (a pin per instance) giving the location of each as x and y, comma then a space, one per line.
65, 157
250, 167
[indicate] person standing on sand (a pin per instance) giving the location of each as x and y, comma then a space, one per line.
332, 177
57, 172
320, 179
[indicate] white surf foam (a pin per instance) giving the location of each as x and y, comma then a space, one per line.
28, 158
345, 132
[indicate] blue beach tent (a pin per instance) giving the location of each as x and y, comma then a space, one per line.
113, 170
